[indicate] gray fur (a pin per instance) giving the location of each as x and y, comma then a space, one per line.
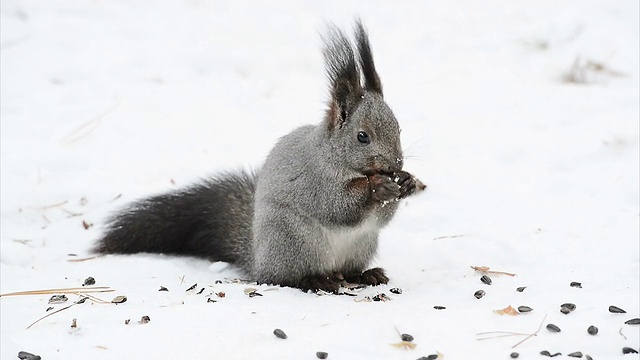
315, 208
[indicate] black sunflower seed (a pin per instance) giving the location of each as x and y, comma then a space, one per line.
485, 279
322, 355
520, 289
569, 306
524, 309
432, 357
576, 354
514, 355
406, 337
616, 310
23, 355
592, 330
553, 328
89, 281
587, 357
479, 294
628, 350
565, 310
635, 321
576, 285
279, 334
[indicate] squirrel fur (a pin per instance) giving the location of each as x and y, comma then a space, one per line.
310, 217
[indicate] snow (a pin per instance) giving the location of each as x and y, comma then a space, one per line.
105, 102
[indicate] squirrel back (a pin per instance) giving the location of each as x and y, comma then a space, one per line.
310, 217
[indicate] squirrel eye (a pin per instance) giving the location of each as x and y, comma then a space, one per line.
363, 137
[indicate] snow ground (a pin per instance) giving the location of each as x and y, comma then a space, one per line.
539, 174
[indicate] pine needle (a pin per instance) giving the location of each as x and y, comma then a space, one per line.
76, 290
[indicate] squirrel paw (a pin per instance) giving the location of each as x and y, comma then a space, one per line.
383, 188
321, 282
406, 182
373, 277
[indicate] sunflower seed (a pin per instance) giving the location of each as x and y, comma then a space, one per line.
592, 330
628, 350
576, 285
553, 328
279, 334
119, 299
587, 357
432, 357
322, 355
635, 321
406, 337
23, 355
485, 279
396, 291
616, 310
524, 309
576, 354
89, 281
514, 355
479, 294
569, 306
58, 299
520, 289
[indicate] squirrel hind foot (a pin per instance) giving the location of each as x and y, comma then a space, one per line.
328, 283
375, 276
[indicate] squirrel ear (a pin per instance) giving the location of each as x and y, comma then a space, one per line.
371, 79
343, 75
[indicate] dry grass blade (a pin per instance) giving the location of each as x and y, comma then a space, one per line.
85, 259
76, 290
501, 334
487, 270
80, 301
449, 237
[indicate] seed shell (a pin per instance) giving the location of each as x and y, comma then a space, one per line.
592, 330
279, 334
479, 294
565, 310
322, 355
576, 354
89, 281
569, 306
396, 291
521, 289
635, 321
628, 350
438, 307
485, 279
553, 328
144, 320
524, 309
616, 310
119, 299
576, 285
406, 337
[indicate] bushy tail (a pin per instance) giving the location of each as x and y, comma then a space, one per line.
210, 220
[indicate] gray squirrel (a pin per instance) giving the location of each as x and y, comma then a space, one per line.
310, 217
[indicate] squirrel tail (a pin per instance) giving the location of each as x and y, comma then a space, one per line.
212, 220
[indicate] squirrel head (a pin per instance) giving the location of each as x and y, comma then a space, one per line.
362, 131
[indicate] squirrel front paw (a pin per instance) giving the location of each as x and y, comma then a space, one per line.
321, 282
375, 276
383, 188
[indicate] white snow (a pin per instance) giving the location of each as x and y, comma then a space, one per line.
537, 175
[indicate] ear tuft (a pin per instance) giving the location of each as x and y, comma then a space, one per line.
343, 75
371, 78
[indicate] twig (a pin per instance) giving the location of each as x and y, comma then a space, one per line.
532, 335
76, 290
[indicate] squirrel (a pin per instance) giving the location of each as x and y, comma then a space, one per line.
309, 218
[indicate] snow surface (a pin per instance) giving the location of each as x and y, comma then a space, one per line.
522, 118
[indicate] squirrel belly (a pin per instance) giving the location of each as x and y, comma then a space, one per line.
310, 217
